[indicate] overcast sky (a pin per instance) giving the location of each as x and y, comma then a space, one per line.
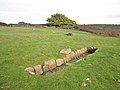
82, 11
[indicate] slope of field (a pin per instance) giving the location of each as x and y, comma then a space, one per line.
99, 29
21, 47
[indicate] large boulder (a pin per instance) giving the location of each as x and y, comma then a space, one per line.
72, 55
49, 65
84, 50
38, 69
59, 62
35, 70
75, 55
67, 58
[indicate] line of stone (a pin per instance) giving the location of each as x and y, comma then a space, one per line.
52, 64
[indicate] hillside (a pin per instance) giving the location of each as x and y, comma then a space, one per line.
21, 47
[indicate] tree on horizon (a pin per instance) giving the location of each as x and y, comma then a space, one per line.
58, 19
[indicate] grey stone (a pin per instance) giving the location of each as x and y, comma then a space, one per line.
67, 58
59, 62
38, 69
65, 51
30, 70
49, 65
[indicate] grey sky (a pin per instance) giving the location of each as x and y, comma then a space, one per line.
82, 11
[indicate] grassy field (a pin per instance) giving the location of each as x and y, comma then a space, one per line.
21, 47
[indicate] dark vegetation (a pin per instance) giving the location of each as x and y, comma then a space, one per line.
109, 30
3, 24
69, 34
23, 24
99, 29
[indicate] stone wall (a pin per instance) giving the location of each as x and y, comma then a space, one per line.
53, 64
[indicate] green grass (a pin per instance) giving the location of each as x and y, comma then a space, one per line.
21, 47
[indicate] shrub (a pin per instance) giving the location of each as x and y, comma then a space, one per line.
60, 19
